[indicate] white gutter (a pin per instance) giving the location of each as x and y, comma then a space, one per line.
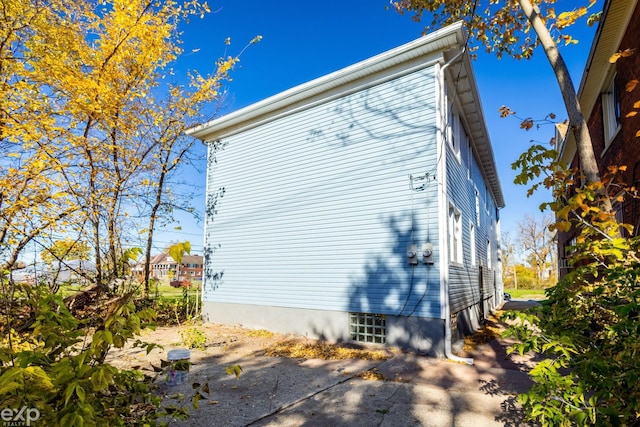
444, 265
404, 58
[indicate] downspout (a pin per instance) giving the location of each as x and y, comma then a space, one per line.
447, 308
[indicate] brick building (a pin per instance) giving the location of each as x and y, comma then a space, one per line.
165, 268
608, 94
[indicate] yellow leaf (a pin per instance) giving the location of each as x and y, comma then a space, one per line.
631, 114
526, 124
631, 85
621, 54
505, 111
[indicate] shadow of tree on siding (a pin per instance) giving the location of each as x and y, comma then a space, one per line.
390, 286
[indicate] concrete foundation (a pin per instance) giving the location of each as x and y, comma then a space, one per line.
422, 335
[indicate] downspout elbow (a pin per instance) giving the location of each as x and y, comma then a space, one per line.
447, 347
454, 59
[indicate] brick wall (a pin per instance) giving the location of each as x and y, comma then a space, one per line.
624, 150
625, 147
628, 148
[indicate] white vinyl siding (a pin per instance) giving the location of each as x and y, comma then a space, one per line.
473, 199
316, 207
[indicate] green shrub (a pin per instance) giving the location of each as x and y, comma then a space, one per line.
173, 311
588, 331
57, 365
193, 337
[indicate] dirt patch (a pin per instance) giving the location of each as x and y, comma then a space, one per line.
228, 343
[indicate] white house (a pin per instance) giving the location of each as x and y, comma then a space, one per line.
361, 206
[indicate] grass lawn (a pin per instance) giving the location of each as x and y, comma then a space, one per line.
537, 294
167, 291
164, 290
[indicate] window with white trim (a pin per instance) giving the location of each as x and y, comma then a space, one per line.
452, 131
477, 207
486, 198
611, 111
472, 237
455, 235
489, 254
462, 133
469, 156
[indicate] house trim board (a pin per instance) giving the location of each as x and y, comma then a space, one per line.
233, 125
394, 63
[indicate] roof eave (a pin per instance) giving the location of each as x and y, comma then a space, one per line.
469, 99
612, 27
298, 97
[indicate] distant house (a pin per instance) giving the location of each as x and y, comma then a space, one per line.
164, 267
361, 206
191, 268
606, 104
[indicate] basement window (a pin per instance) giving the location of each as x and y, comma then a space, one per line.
368, 328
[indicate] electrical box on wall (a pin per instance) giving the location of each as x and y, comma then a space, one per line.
412, 254
427, 253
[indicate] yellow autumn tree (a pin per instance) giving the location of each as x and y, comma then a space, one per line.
32, 199
87, 127
89, 76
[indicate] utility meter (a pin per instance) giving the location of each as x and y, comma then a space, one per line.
412, 254
427, 253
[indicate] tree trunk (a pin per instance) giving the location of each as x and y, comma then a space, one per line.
152, 223
588, 164
168, 165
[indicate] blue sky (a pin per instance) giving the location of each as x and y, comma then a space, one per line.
305, 40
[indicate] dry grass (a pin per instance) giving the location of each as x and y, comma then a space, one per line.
487, 333
297, 349
260, 333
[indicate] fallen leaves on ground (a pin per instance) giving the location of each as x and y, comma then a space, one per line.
487, 333
322, 350
372, 375
259, 333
